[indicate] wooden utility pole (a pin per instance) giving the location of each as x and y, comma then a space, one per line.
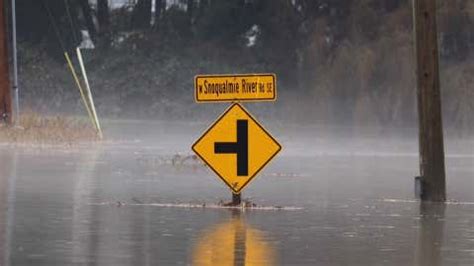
5, 91
432, 170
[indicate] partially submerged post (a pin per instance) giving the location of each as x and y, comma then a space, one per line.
432, 168
236, 199
5, 91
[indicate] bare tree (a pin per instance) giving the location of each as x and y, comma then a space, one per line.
142, 14
103, 18
160, 7
103, 15
190, 10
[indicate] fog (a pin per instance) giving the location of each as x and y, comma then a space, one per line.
340, 192
337, 64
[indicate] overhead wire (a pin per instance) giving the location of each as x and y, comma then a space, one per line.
71, 21
54, 25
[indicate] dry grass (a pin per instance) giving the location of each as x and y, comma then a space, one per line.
38, 129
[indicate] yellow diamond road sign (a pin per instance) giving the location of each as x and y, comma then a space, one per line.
236, 147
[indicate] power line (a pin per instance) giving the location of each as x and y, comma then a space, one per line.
53, 23
71, 21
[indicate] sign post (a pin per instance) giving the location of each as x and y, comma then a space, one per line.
236, 147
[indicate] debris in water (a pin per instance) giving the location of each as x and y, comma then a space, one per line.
247, 205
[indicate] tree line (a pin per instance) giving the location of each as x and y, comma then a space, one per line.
348, 58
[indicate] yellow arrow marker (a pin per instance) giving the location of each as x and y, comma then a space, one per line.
236, 147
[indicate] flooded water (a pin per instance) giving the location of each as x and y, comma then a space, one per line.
143, 202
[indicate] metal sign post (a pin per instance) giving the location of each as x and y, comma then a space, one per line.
16, 101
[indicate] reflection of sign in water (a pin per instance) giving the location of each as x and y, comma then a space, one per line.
233, 243
236, 147
227, 88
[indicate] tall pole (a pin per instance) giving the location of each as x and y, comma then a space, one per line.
16, 101
5, 96
431, 148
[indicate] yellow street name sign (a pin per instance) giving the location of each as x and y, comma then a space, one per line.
236, 147
228, 88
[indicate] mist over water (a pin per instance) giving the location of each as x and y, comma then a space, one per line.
337, 64
353, 197
340, 192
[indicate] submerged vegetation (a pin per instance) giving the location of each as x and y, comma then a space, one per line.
36, 129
